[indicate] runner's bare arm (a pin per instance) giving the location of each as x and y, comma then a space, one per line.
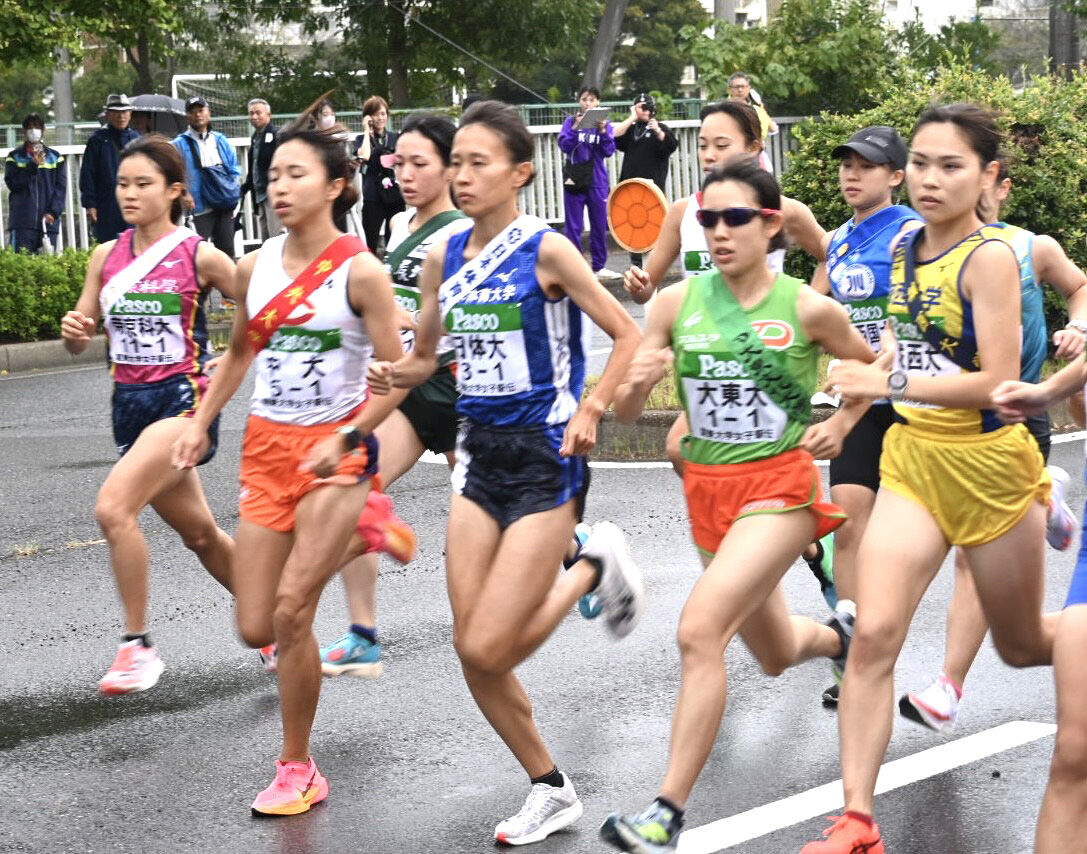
1016, 400
77, 326
416, 367
803, 229
215, 268
641, 287
654, 357
820, 281
371, 293
560, 268
1052, 266
189, 448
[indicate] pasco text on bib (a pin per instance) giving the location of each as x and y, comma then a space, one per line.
145, 329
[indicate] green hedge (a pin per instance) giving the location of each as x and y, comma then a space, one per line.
36, 291
1046, 133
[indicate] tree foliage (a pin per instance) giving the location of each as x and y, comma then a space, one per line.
650, 54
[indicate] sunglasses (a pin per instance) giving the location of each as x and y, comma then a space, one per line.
733, 217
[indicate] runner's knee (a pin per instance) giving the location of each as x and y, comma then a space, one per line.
876, 642
1070, 754
255, 630
480, 654
1018, 651
200, 538
292, 618
699, 638
112, 515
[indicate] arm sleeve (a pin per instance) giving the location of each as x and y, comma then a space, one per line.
622, 142
567, 136
607, 141
18, 179
230, 158
247, 184
59, 197
88, 196
670, 142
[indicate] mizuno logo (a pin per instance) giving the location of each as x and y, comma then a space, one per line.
169, 264
504, 277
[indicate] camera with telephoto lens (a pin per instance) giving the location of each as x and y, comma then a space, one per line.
647, 101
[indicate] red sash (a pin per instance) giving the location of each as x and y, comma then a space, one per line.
279, 308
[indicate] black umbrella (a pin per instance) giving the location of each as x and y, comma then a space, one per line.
158, 114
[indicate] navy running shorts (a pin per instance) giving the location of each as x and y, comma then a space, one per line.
512, 472
858, 462
136, 406
1038, 426
1077, 590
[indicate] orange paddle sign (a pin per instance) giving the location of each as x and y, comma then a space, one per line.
636, 209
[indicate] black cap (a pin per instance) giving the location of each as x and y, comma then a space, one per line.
195, 101
876, 144
645, 98
118, 102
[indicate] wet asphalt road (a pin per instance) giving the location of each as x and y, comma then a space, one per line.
412, 765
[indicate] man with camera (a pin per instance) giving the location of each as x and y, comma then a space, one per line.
647, 144
38, 181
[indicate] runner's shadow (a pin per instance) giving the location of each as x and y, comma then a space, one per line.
44, 715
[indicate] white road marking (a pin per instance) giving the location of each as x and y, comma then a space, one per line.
29, 375
823, 800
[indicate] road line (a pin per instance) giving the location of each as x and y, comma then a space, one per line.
27, 375
823, 800
1061, 438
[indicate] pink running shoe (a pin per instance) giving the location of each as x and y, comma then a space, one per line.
296, 788
269, 657
383, 530
136, 668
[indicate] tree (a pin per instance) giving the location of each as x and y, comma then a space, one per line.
23, 85
813, 55
654, 58
969, 43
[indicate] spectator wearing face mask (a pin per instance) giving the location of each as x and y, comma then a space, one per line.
38, 181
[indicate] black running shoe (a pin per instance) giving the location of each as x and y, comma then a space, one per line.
830, 696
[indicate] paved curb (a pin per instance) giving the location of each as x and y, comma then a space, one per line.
43, 355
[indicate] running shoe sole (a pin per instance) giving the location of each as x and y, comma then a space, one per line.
616, 832
313, 795
911, 708
154, 671
630, 611
367, 670
561, 819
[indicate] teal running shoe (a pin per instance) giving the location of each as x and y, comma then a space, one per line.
655, 830
589, 605
352, 655
822, 567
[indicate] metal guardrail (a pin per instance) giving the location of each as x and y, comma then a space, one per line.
543, 198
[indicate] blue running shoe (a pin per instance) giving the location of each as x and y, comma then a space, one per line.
352, 655
822, 567
589, 605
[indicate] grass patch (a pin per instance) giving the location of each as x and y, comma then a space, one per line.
663, 396
27, 550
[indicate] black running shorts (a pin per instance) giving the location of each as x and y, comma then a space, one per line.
858, 462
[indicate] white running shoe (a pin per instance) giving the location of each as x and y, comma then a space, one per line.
135, 668
1060, 526
547, 809
937, 707
620, 589
605, 273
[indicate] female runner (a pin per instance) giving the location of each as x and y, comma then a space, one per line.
951, 474
745, 344
149, 286
729, 129
427, 418
511, 293
321, 305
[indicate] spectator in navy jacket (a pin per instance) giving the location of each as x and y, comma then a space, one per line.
98, 174
579, 145
37, 177
200, 146
262, 145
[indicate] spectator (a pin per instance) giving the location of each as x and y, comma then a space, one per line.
322, 116
375, 148
262, 144
581, 145
98, 174
38, 181
646, 145
202, 149
739, 89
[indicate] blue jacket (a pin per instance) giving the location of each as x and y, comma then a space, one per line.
98, 179
35, 190
192, 167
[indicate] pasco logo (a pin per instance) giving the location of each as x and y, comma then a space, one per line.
470, 321
775, 334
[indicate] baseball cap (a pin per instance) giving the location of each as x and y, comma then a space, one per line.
877, 144
645, 98
118, 102
195, 101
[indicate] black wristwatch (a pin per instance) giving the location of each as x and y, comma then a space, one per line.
351, 435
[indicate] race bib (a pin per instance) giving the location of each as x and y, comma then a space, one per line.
297, 368
734, 411
410, 300
145, 329
916, 356
868, 317
489, 342
696, 261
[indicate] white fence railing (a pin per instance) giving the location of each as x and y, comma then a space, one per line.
543, 198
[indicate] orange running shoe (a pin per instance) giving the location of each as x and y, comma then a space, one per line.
296, 788
135, 668
383, 530
848, 835
269, 657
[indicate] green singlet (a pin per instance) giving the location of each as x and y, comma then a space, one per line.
732, 420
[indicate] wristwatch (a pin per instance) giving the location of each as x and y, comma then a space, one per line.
896, 384
351, 435
1079, 325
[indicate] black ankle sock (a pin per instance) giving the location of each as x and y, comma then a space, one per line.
551, 778
143, 637
567, 562
677, 813
598, 569
365, 632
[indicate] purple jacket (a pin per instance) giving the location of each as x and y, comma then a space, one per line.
585, 143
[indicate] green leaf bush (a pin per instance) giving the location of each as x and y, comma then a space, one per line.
1045, 137
36, 291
